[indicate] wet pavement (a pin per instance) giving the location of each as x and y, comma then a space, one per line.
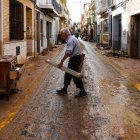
109, 112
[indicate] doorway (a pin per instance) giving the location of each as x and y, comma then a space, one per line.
29, 31
138, 36
38, 31
117, 32
134, 37
49, 32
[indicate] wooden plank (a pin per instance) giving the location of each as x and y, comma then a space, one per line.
82, 60
63, 68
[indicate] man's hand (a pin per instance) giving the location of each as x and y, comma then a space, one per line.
60, 64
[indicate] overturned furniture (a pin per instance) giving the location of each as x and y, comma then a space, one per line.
10, 72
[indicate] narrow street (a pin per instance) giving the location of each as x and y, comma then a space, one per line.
110, 111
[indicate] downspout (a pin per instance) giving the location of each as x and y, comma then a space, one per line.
34, 25
1, 29
34, 1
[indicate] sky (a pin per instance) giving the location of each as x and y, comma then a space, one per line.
76, 9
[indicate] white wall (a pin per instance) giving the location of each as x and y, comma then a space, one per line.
119, 1
133, 7
56, 29
10, 49
45, 19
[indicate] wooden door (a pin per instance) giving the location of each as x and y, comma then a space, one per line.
134, 37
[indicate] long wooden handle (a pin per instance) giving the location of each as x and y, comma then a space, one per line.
70, 71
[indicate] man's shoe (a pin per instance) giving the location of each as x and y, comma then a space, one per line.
81, 94
61, 92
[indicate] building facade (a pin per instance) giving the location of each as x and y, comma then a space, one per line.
27, 27
63, 19
88, 22
119, 25
47, 23
17, 28
102, 21
118, 17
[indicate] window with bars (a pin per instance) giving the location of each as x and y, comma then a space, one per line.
16, 20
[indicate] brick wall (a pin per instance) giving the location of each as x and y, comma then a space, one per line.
27, 3
9, 47
5, 20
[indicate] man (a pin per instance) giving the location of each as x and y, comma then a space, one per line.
73, 52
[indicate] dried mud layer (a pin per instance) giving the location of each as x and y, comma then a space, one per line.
109, 112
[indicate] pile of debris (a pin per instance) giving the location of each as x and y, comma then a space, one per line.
108, 51
102, 46
49, 48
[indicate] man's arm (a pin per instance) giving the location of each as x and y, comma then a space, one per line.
63, 59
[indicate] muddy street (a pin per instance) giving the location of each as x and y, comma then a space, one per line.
109, 112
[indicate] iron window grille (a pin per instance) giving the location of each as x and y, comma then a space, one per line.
16, 20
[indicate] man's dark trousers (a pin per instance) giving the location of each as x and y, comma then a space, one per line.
74, 64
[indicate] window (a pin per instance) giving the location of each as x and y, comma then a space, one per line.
105, 26
16, 20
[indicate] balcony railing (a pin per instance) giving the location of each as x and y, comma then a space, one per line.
51, 6
57, 6
63, 14
112, 2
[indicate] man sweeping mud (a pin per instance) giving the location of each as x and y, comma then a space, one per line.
73, 51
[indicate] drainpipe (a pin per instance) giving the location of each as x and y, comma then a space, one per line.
34, 1
1, 29
34, 25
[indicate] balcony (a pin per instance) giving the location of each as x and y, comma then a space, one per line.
50, 7
63, 14
102, 6
112, 3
